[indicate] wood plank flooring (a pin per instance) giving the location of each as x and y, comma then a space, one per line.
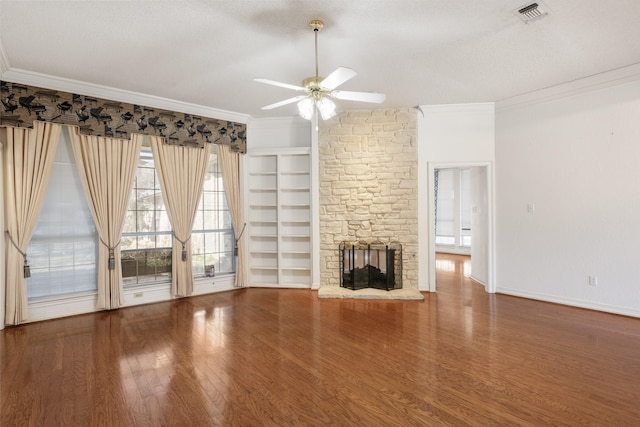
265, 357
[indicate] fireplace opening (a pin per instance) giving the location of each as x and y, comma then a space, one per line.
371, 265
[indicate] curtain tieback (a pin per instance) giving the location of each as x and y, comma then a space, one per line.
112, 255
235, 248
26, 270
184, 246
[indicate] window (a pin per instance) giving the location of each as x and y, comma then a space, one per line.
453, 207
63, 250
465, 207
212, 240
445, 208
147, 236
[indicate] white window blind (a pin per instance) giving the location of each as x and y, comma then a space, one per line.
445, 225
62, 251
465, 207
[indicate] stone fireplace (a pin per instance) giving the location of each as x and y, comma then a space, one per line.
368, 192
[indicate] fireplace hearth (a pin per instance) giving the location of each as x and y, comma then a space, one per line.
371, 265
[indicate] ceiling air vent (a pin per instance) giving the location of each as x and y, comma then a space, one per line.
531, 12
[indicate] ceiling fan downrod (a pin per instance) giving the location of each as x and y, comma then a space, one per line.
316, 25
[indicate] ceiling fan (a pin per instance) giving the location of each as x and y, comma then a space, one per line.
317, 90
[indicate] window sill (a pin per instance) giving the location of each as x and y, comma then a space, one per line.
72, 305
62, 306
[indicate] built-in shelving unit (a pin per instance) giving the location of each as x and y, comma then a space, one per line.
279, 218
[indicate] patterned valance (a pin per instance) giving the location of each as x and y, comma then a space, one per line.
22, 104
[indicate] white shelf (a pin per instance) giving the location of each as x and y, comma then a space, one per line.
279, 228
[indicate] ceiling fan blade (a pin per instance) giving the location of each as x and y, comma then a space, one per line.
339, 76
346, 95
285, 102
275, 83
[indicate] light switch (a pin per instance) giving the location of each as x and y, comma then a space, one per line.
531, 208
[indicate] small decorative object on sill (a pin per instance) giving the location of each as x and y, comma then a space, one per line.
209, 270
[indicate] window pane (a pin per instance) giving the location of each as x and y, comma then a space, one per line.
198, 222
162, 221
145, 221
147, 241
164, 241
129, 222
145, 177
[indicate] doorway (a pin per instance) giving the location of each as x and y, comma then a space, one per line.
474, 229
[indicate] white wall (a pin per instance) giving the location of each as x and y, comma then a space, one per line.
576, 159
461, 135
278, 133
457, 133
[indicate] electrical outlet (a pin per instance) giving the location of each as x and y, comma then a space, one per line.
593, 280
138, 295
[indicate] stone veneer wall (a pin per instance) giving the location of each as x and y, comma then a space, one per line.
368, 186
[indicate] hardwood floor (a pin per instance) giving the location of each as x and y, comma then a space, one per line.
283, 357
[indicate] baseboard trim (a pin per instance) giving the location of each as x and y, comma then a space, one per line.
624, 311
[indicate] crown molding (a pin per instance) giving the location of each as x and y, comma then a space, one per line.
457, 108
602, 80
110, 93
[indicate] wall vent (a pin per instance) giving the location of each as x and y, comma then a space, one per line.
531, 12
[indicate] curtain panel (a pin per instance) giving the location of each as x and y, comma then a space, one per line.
107, 167
181, 171
28, 160
230, 168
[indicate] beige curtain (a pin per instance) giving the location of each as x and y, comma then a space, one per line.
230, 168
28, 161
181, 171
107, 167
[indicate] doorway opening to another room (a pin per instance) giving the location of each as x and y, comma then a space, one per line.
460, 218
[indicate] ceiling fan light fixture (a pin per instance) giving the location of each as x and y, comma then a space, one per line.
305, 108
318, 89
326, 107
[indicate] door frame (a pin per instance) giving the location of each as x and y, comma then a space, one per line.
426, 226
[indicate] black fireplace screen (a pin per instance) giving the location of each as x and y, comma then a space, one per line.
371, 265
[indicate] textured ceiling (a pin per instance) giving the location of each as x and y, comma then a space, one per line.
416, 51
